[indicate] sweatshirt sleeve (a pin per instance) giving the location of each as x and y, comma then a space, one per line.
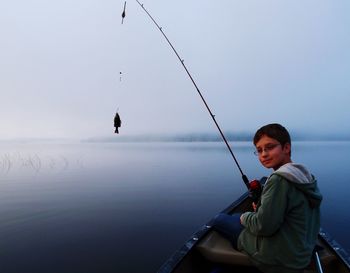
269, 216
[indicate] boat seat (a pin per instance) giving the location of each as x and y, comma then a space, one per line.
217, 249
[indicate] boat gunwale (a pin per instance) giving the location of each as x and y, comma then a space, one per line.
336, 247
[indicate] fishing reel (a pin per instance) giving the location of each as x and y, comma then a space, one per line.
255, 190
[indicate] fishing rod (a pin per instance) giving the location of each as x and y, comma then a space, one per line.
244, 177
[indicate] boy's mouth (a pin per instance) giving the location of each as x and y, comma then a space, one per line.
267, 161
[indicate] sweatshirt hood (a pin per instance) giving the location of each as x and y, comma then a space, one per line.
303, 180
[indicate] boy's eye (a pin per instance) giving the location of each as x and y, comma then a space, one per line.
267, 148
270, 147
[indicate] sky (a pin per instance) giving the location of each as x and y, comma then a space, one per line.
66, 67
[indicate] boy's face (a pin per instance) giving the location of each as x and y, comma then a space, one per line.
271, 153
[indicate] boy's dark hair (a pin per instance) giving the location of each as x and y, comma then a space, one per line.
275, 131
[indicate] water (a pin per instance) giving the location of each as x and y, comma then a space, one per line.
126, 207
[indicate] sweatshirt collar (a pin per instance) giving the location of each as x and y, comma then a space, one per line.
296, 173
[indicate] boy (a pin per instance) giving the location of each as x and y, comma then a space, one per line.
281, 233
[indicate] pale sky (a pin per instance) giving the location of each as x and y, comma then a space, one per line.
256, 62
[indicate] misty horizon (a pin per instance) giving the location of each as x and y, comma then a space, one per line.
185, 137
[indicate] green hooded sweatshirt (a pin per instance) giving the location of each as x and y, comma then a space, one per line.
282, 233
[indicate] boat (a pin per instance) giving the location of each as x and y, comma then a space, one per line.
207, 251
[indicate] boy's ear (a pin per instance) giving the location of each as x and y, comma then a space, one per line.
287, 148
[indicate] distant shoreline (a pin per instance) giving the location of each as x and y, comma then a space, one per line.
205, 138
194, 137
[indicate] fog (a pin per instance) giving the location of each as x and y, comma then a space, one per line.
67, 67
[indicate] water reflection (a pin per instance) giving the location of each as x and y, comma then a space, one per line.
80, 207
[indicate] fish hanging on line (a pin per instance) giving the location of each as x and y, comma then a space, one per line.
123, 14
117, 123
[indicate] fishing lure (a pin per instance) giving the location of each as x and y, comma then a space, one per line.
123, 14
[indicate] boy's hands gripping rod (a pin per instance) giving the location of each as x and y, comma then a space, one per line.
249, 186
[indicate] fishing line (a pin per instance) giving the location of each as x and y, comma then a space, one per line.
244, 177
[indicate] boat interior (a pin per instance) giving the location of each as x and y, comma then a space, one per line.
214, 254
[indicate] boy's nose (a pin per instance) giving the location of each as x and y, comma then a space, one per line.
264, 152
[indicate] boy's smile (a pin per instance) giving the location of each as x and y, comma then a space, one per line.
271, 153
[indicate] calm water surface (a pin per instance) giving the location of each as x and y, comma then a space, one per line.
126, 207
